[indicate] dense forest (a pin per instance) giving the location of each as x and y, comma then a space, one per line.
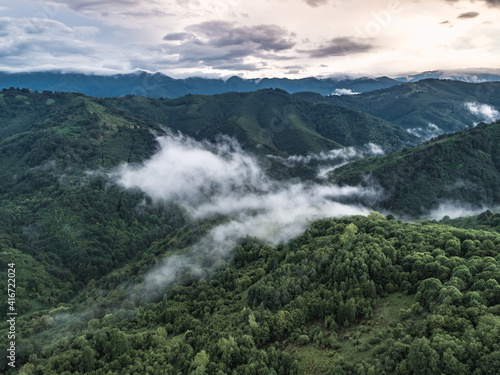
364, 295
461, 167
112, 281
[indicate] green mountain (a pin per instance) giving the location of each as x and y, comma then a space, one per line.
462, 167
415, 105
158, 85
271, 120
55, 211
109, 282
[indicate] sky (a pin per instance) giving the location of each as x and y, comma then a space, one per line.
251, 39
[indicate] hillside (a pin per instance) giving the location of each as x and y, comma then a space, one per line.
463, 168
363, 295
270, 118
116, 275
58, 207
416, 105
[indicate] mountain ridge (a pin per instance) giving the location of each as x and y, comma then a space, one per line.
459, 167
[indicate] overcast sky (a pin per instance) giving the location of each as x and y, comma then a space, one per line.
259, 38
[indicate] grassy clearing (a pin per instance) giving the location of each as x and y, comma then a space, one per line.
352, 344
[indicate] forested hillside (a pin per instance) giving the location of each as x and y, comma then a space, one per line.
364, 295
271, 119
463, 167
59, 207
115, 277
447, 105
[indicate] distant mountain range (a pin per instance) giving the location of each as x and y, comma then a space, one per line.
158, 85
465, 75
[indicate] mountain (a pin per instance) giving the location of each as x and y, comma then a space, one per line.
158, 85
50, 141
465, 75
272, 119
112, 279
462, 167
426, 108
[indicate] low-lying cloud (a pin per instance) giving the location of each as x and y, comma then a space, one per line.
453, 210
213, 180
326, 162
484, 112
339, 92
427, 132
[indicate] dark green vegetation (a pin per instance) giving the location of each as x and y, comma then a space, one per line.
487, 220
71, 225
416, 104
364, 295
461, 167
268, 121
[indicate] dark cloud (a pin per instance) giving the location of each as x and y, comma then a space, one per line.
316, 3
468, 15
490, 3
225, 45
261, 37
493, 3
177, 36
339, 47
445, 22
239, 67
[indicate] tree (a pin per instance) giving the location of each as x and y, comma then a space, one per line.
422, 358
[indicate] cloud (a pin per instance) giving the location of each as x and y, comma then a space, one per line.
493, 3
454, 210
260, 37
210, 180
484, 112
339, 92
348, 153
447, 23
178, 36
316, 3
34, 42
339, 47
225, 45
325, 162
112, 10
426, 133
490, 3
468, 15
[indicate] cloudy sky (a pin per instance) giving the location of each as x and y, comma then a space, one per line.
252, 39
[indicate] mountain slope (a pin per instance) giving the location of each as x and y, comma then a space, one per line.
462, 167
272, 119
358, 295
51, 205
110, 282
416, 105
